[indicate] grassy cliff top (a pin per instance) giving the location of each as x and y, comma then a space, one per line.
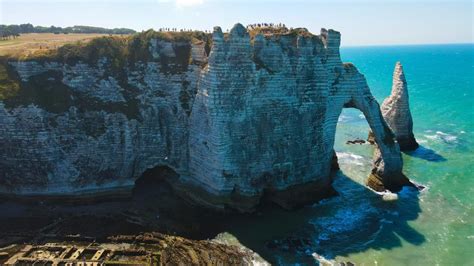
279, 31
33, 46
88, 47
31, 43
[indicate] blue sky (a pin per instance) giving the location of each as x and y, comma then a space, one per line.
361, 22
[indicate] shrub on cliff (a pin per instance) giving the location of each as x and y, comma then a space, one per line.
119, 50
113, 48
8, 85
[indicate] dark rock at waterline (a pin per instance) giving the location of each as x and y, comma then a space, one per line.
290, 244
334, 162
371, 138
356, 141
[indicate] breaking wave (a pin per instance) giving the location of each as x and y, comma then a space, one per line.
441, 136
350, 158
346, 219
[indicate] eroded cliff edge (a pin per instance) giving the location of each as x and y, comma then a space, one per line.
239, 117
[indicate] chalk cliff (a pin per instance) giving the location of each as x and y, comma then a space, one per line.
396, 111
239, 117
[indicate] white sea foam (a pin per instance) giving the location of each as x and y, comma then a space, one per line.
390, 196
347, 218
442, 136
322, 260
343, 118
350, 158
348, 155
420, 188
386, 195
422, 141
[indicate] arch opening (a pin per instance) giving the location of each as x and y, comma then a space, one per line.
353, 151
387, 164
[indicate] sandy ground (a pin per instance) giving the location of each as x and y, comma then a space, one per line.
32, 42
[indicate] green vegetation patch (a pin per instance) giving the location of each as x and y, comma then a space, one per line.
112, 48
186, 97
9, 82
131, 48
124, 52
182, 36
259, 64
45, 90
14, 30
179, 63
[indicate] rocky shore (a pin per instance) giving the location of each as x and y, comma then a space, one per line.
143, 249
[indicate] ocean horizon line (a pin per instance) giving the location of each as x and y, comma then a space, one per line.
408, 44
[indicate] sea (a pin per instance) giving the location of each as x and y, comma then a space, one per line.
434, 226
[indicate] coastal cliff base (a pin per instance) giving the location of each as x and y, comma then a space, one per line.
375, 182
290, 198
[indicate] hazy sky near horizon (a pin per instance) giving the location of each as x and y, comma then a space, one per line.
361, 22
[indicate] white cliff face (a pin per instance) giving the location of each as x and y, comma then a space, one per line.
396, 111
256, 118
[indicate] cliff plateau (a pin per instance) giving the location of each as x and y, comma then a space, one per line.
239, 117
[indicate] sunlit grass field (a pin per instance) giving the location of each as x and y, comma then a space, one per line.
30, 43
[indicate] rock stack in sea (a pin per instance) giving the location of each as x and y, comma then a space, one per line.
396, 111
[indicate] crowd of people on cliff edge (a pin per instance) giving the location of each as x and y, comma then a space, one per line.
270, 26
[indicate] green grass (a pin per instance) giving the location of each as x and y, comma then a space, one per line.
9, 86
122, 49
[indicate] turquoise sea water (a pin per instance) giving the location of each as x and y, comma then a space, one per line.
433, 227
441, 87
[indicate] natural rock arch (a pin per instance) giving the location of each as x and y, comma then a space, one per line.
387, 160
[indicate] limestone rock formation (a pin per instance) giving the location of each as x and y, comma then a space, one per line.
396, 111
254, 120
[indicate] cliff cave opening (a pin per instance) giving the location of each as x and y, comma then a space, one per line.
152, 185
155, 175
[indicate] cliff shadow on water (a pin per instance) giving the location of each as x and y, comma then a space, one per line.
355, 220
427, 154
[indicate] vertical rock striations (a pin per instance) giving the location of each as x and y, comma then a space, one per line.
396, 111
240, 117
